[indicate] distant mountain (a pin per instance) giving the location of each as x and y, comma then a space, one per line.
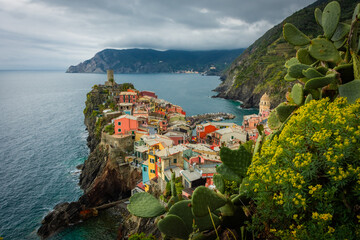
212, 62
260, 68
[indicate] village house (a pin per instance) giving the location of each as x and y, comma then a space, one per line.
125, 124
202, 130
127, 97
177, 137
228, 135
170, 159
148, 94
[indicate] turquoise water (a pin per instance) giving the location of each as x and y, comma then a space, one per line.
43, 139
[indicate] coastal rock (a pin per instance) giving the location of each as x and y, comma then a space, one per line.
62, 215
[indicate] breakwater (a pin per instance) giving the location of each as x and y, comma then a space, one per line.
197, 119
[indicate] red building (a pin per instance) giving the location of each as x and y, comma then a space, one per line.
203, 130
148, 93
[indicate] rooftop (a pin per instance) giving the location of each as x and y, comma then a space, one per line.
127, 116
171, 150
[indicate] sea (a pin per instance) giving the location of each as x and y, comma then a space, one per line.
43, 139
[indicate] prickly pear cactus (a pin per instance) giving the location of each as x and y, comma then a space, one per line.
204, 199
326, 66
235, 163
145, 205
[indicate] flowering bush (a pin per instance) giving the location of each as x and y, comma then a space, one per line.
306, 182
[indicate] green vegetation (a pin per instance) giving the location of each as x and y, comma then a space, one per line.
142, 236
301, 182
260, 68
306, 181
110, 129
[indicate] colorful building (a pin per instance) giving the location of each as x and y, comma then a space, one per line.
126, 124
264, 105
202, 130
228, 135
127, 97
148, 93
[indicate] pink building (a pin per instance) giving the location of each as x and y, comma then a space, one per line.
175, 109
126, 124
251, 121
127, 97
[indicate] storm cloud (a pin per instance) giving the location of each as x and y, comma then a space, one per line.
53, 34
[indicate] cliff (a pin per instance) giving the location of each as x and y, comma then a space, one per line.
260, 68
151, 61
105, 176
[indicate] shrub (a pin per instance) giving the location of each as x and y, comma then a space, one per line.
110, 129
306, 182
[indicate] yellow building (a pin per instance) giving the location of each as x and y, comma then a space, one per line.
155, 143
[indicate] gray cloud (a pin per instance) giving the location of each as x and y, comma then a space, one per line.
58, 33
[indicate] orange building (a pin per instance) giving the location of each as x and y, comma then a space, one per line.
203, 130
126, 124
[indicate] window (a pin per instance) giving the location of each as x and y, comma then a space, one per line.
119, 130
151, 160
119, 123
152, 171
175, 161
145, 169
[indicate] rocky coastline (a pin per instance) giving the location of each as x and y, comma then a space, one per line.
105, 178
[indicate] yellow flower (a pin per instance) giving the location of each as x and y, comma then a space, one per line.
331, 229
295, 216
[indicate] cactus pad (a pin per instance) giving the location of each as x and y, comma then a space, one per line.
295, 70
237, 160
318, 16
173, 226
145, 205
312, 73
330, 18
288, 78
308, 98
182, 209
356, 66
205, 223
172, 201
297, 94
284, 110
324, 50
351, 90
204, 198
341, 31
356, 12
294, 36
227, 173
320, 82
304, 56
219, 182
291, 61
273, 121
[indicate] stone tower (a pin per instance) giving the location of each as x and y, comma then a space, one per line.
110, 78
264, 104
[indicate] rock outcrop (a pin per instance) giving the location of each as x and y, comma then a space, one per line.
105, 177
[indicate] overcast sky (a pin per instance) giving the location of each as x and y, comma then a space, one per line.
53, 34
